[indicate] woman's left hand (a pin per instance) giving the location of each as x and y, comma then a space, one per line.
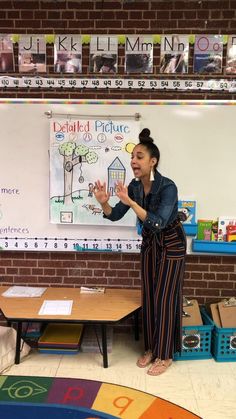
122, 193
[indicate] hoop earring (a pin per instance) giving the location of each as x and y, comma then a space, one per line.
151, 176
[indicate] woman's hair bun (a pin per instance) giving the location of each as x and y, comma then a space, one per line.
144, 136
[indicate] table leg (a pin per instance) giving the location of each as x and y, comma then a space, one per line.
18, 341
136, 325
104, 345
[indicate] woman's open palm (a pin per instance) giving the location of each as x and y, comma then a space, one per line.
100, 192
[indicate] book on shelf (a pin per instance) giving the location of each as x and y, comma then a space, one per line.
187, 211
92, 290
204, 229
226, 228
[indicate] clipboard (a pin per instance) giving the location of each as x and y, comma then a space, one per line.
194, 317
227, 315
215, 315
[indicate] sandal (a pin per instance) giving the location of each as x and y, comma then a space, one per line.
159, 366
145, 359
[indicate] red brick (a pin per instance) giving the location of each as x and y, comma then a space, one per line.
5, 262
106, 24
21, 279
228, 14
162, 5
63, 255
189, 292
222, 285
122, 265
222, 268
176, 14
203, 14
88, 256
210, 259
21, 5
96, 281
24, 263
136, 5
99, 272
49, 264
87, 5
27, 14
49, 280
37, 255
24, 271
190, 14
51, 24
222, 276
134, 15
74, 280
216, 4
228, 293
217, 24
195, 23
229, 259
195, 284
81, 15
208, 292
51, 5
121, 14
196, 275
192, 259
86, 272
100, 265
37, 271
209, 276
134, 274
55, 15
70, 14
197, 267
49, 271
40, 14
34, 24
116, 281
215, 14
137, 24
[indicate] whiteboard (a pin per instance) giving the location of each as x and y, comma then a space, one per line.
196, 141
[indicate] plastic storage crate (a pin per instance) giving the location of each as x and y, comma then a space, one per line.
223, 345
196, 342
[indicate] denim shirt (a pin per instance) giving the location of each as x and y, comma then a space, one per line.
161, 203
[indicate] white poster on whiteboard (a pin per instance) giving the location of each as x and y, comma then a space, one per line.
81, 152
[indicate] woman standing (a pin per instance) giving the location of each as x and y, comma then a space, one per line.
154, 200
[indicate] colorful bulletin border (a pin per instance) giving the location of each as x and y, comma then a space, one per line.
81, 399
37, 82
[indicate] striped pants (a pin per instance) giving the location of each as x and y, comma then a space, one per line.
162, 264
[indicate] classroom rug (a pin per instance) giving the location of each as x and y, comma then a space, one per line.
23, 397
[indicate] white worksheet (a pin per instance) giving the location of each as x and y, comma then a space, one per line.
56, 307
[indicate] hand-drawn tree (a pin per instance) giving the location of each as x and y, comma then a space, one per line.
74, 154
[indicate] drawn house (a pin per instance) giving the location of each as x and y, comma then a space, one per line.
116, 172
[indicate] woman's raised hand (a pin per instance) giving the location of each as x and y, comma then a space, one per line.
122, 193
100, 192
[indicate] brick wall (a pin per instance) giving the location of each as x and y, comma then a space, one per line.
206, 277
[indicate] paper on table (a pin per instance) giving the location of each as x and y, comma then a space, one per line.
56, 307
21, 291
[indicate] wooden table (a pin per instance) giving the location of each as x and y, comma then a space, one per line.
103, 309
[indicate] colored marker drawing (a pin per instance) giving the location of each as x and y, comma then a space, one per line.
81, 152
